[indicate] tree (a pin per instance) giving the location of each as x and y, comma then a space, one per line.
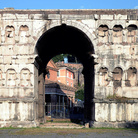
80, 94
58, 58
71, 58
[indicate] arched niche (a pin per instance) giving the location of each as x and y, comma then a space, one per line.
103, 76
25, 78
23, 34
10, 35
103, 33
131, 77
117, 34
132, 33
11, 77
117, 77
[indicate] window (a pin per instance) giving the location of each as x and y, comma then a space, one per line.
67, 74
71, 76
71, 84
67, 83
58, 73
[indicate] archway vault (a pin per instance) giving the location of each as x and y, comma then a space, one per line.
64, 39
69, 40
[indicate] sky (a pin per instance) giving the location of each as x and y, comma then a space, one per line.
69, 4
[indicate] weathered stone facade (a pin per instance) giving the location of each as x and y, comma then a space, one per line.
114, 36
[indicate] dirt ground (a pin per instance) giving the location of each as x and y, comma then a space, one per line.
68, 133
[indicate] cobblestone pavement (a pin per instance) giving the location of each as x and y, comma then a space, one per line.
11, 133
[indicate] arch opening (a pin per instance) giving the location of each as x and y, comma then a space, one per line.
69, 40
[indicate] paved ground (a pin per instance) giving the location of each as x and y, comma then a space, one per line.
68, 133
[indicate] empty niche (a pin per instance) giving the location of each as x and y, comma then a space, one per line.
117, 77
117, 34
23, 34
11, 77
103, 33
25, 78
10, 35
132, 34
131, 77
103, 76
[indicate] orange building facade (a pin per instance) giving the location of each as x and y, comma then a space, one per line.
52, 71
65, 75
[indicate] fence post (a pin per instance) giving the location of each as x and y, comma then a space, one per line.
50, 109
59, 102
56, 110
64, 110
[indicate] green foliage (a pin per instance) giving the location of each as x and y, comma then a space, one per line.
80, 94
58, 58
114, 97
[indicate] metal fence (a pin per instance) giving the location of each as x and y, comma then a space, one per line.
64, 111
57, 111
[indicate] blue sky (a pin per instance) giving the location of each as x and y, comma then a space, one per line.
69, 4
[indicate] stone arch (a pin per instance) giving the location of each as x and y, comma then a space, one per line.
117, 77
85, 29
103, 76
23, 34
25, 77
132, 33
75, 24
131, 79
10, 34
11, 77
117, 35
68, 39
103, 34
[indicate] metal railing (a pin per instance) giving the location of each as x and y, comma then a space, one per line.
57, 111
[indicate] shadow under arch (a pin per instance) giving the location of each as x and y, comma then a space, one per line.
70, 40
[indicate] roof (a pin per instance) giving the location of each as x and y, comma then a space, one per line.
51, 65
57, 84
62, 65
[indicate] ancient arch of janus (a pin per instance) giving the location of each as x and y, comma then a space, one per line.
100, 39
